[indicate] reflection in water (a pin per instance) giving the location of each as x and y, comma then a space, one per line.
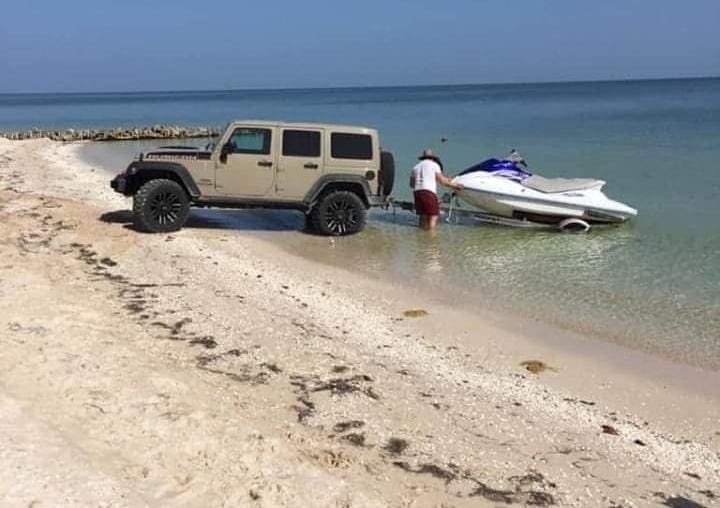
430, 253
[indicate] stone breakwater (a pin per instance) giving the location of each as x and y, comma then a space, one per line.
117, 134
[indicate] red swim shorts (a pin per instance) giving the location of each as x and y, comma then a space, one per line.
426, 203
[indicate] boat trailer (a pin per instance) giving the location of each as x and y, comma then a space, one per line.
449, 206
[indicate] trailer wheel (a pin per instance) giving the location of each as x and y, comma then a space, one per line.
573, 225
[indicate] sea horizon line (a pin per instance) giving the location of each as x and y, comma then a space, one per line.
365, 87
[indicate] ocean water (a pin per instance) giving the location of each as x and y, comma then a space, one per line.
652, 284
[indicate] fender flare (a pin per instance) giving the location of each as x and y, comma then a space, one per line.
139, 167
339, 178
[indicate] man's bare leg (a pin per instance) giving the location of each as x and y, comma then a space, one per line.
432, 222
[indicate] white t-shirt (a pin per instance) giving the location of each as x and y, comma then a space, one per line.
424, 173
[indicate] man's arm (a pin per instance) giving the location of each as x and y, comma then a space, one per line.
444, 180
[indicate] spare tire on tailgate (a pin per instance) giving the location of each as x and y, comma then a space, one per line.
386, 178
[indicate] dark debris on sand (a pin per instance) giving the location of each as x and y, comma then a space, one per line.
525, 492
355, 438
396, 445
345, 426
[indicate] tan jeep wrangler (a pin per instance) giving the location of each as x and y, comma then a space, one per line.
333, 173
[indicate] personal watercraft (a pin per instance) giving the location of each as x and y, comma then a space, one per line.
503, 188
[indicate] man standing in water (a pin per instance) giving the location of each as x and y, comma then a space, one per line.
423, 180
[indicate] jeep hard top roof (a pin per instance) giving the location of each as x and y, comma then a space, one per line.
303, 125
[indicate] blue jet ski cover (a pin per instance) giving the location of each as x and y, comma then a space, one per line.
505, 168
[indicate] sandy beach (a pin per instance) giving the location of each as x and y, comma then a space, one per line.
211, 367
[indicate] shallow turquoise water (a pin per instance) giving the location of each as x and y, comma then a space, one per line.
652, 284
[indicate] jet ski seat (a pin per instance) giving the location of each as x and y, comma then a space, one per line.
555, 185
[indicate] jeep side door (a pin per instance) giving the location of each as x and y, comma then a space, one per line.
300, 161
247, 163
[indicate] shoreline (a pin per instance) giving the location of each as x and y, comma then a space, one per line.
446, 412
687, 344
609, 344
281, 229
518, 336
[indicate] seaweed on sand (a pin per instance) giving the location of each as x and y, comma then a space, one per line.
207, 342
430, 469
344, 386
345, 426
355, 438
536, 366
414, 313
609, 429
396, 445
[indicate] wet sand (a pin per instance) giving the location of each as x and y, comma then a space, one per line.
212, 368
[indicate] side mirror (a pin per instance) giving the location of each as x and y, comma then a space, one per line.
226, 149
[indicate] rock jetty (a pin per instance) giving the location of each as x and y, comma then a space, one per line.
117, 134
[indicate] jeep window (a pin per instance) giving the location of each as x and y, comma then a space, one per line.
351, 146
301, 143
251, 141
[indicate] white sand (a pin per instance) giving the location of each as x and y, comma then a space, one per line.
210, 368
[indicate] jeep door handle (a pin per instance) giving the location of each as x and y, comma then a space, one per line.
310, 165
266, 164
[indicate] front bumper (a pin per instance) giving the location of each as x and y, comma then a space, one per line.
119, 183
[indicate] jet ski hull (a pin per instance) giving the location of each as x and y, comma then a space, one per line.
507, 198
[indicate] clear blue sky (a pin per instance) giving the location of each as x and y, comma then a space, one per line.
103, 45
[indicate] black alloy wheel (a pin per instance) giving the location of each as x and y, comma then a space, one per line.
165, 207
339, 213
160, 206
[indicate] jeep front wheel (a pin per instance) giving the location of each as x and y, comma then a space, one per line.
160, 206
339, 213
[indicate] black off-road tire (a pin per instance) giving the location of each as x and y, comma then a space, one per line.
160, 206
339, 213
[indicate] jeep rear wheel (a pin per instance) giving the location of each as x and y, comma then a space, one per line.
339, 213
160, 206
